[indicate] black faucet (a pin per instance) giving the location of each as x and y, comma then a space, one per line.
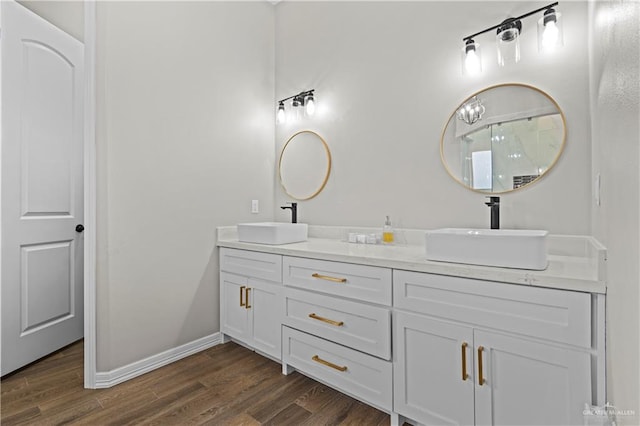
494, 204
294, 211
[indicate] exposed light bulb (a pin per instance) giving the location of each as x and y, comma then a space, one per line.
310, 106
550, 31
550, 35
472, 63
282, 116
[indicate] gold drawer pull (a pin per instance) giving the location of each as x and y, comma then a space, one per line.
328, 278
481, 380
317, 359
242, 291
465, 376
327, 320
247, 305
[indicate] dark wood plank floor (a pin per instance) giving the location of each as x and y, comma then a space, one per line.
224, 385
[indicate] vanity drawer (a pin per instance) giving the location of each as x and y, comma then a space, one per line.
557, 315
362, 376
266, 266
360, 326
361, 282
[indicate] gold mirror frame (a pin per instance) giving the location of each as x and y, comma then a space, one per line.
452, 119
326, 176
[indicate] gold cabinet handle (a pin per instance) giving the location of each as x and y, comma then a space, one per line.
242, 291
328, 278
246, 298
481, 380
327, 320
317, 359
465, 376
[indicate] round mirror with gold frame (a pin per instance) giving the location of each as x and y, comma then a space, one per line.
503, 138
305, 165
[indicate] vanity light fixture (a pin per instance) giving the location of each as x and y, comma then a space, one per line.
301, 100
310, 104
282, 116
549, 30
508, 38
471, 63
471, 111
295, 110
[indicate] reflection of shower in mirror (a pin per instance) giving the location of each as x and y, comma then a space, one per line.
508, 140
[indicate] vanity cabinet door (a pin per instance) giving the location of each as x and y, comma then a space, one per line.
266, 304
527, 382
433, 370
251, 312
235, 317
252, 299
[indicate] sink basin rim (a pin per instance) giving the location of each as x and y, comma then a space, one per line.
493, 233
272, 233
506, 248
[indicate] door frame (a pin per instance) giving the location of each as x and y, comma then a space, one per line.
90, 187
89, 173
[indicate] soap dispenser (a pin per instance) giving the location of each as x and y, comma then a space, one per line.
387, 231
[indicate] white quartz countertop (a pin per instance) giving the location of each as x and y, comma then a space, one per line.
575, 263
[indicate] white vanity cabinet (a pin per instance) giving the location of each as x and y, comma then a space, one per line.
251, 296
337, 326
428, 342
469, 351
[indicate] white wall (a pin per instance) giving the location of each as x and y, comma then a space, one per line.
185, 141
388, 76
615, 98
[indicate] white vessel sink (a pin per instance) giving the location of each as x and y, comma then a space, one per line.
272, 232
508, 248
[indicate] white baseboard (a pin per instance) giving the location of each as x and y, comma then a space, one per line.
111, 378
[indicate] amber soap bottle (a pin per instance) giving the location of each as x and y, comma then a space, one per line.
387, 232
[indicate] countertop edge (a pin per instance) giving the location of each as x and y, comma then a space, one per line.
505, 275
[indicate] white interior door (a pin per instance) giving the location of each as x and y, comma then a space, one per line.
42, 187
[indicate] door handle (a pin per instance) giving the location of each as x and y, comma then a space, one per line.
79, 228
241, 291
465, 376
319, 360
327, 320
481, 380
328, 278
247, 305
